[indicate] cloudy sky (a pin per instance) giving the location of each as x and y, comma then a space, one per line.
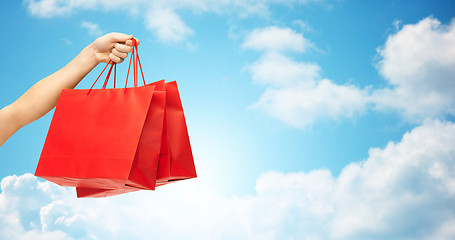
309, 119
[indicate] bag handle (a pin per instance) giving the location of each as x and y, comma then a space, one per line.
109, 74
136, 61
136, 66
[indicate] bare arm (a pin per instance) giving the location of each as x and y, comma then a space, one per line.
43, 96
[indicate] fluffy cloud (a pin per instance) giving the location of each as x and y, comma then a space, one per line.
53, 8
160, 16
60, 8
296, 93
403, 191
275, 39
21, 208
278, 70
48, 8
419, 64
92, 28
167, 25
399, 188
300, 106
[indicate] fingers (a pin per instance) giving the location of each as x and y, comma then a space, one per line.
130, 42
119, 54
115, 59
122, 45
122, 48
119, 37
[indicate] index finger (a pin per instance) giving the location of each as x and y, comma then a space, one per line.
122, 48
119, 37
130, 42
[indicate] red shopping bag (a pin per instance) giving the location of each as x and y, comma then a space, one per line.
105, 138
150, 138
94, 139
176, 160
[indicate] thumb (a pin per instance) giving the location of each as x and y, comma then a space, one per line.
119, 37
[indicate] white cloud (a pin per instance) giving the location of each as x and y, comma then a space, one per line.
279, 70
161, 16
445, 231
20, 203
303, 25
296, 93
48, 8
300, 105
401, 187
92, 28
167, 25
60, 8
419, 64
67, 41
275, 39
403, 191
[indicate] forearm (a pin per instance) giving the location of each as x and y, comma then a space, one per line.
43, 96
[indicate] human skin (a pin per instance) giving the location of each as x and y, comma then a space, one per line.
43, 95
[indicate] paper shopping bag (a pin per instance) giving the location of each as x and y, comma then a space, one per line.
93, 138
110, 141
176, 160
145, 164
105, 138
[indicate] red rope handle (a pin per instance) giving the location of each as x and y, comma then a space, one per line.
136, 66
98, 77
108, 75
143, 79
138, 61
129, 66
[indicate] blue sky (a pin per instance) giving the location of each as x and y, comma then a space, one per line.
309, 119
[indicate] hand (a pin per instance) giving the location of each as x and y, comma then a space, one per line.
113, 46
